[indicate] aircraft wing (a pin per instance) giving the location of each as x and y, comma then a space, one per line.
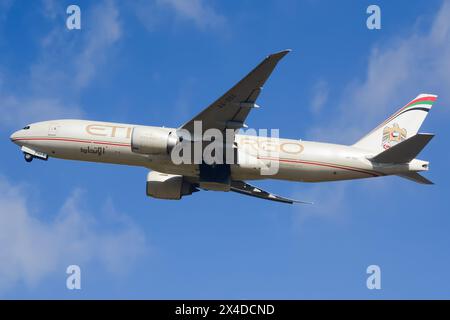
249, 190
231, 109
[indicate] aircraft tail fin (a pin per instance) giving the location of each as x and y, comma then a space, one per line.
416, 177
404, 151
403, 124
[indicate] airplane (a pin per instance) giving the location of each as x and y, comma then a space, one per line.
389, 149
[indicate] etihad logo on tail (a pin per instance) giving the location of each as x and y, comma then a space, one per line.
393, 135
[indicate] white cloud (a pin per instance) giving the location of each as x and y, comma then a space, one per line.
52, 8
66, 63
200, 12
19, 111
183, 100
33, 249
397, 71
319, 96
328, 200
105, 30
72, 59
197, 11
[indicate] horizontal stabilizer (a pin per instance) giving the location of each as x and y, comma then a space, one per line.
414, 176
404, 151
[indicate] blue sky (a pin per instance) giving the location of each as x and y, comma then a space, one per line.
159, 63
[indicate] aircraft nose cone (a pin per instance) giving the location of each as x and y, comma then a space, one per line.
13, 137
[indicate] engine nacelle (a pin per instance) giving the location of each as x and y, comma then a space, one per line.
168, 186
152, 140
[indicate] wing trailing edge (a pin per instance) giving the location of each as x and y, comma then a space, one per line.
249, 190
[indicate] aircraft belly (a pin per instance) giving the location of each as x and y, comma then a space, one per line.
246, 173
313, 173
314, 169
190, 170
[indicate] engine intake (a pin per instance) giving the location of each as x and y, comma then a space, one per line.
152, 140
168, 186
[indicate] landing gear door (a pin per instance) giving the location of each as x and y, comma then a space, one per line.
53, 129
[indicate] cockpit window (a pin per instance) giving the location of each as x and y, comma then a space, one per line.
26, 128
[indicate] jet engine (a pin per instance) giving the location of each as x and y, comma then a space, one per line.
168, 186
152, 140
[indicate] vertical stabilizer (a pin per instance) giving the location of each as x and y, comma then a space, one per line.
403, 124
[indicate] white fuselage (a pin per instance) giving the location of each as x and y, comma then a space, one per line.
107, 142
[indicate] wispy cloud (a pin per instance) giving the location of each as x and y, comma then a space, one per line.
104, 33
52, 8
320, 94
397, 71
328, 200
18, 111
72, 59
199, 12
183, 100
33, 249
66, 63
